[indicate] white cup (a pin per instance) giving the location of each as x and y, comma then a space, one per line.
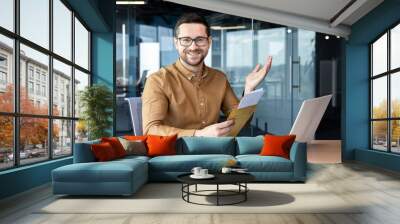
203, 172
226, 170
196, 170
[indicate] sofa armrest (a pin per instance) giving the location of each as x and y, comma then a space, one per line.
83, 152
298, 155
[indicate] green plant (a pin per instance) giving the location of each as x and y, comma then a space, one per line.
96, 102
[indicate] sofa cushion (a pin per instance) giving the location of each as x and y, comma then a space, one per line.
249, 145
111, 171
185, 163
257, 163
206, 145
130, 158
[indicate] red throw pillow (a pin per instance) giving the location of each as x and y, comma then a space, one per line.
103, 151
275, 145
116, 145
161, 145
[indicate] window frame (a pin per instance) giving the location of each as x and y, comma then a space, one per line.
388, 74
16, 114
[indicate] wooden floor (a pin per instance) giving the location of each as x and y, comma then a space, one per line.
377, 188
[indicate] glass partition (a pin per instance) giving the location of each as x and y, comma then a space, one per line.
145, 44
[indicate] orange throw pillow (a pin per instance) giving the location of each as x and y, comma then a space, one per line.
116, 145
136, 138
103, 151
161, 145
275, 145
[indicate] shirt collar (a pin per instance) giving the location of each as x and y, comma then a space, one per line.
187, 73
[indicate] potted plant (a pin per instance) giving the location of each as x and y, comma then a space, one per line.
96, 102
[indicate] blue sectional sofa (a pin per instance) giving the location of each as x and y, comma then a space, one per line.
125, 176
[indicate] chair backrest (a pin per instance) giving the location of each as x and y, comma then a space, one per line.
135, 108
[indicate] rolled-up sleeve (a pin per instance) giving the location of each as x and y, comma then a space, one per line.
155, 109
230, 100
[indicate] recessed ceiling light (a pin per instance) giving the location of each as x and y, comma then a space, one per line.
227, 27
130, 2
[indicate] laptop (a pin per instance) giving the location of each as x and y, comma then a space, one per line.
309, 117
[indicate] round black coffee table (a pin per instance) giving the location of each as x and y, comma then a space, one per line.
238, 179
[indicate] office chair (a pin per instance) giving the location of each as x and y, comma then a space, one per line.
135, 108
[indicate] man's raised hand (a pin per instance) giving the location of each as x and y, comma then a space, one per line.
257, 75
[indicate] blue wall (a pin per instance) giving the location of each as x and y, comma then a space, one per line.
24, 178
98, 15
356, 83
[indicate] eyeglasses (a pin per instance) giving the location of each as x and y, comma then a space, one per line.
187, 41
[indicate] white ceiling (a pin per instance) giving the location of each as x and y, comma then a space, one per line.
319, 9
316, 15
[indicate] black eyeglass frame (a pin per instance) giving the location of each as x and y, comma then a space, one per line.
195, 41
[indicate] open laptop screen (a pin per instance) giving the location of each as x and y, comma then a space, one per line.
309, 117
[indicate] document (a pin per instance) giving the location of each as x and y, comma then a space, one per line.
251, 98
245, 110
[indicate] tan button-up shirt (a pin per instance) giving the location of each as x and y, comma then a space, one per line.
175, 101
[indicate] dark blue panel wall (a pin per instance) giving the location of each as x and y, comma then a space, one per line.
24, 178
356, 83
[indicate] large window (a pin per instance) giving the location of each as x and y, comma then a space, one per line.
385, 91
40, 80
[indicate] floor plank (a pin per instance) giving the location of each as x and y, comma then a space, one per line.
377, 190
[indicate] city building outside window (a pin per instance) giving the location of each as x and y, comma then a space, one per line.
3, 61
34, 84
3, 78
31, 89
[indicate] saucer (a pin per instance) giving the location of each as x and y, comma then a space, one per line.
208, 176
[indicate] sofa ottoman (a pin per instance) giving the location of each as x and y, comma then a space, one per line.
87, 177
119, 177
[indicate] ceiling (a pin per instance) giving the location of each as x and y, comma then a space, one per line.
326, 16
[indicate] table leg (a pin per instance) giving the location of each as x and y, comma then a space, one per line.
188, 190
245, 191
217, 194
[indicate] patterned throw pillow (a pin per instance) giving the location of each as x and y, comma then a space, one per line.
135, 147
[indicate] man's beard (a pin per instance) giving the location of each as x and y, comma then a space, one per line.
186, 60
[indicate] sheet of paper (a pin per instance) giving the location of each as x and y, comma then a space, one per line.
251, 99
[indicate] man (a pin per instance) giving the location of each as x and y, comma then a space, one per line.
185, 98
